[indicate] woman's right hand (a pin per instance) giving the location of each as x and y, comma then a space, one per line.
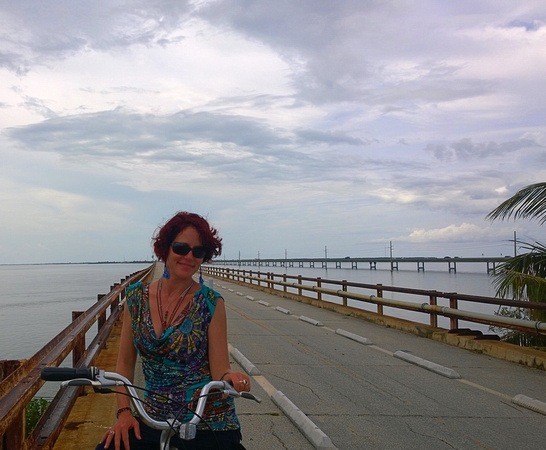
119, 432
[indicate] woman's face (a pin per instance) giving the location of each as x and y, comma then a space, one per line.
185, 266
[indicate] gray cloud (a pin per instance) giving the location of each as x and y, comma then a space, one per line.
213, 141
465, 149
70, 27
14, 62
329, 137
122, 131
342, 51
528, 25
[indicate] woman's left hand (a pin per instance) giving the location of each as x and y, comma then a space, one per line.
239, 380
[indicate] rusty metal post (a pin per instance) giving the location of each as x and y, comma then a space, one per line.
453, 321
319, 284
344, 289
433, 300
115, 305
14, 436
379, 290
79, 348
102, 318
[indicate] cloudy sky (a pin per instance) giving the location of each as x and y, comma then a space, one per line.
291, 125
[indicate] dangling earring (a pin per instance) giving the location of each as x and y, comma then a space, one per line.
201, 281
166, 274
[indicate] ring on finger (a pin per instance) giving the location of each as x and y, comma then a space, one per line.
112, 432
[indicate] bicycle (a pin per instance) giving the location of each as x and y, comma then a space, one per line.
103, 382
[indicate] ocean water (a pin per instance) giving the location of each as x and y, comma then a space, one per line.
36, 301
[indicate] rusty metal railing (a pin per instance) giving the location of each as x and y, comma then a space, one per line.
295, 285
20, 380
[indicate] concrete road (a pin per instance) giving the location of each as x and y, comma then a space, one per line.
390, 389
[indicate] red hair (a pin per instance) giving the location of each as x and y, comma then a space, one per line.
165, 236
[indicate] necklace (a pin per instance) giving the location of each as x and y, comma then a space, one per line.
163, 315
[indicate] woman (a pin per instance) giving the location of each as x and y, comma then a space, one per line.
178, 328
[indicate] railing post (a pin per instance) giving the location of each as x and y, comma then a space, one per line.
285, 288
78, 352
79, 347
433, 301
379, 290
299, 282
14, 436
453, 321
114, 305
344, 289
319, 284
102, 318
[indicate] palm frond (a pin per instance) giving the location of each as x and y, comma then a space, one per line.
527, 203
523, 277
520, 286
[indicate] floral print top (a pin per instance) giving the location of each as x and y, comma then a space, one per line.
176, 364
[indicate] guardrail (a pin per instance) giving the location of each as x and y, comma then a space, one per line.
283, 285
20, 380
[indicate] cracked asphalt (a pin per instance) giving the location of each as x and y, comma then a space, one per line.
361, 396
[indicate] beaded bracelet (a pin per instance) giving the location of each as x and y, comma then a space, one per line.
120, 410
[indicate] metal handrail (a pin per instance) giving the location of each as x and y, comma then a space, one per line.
18, 389
271, 282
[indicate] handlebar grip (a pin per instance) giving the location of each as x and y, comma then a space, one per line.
68, 373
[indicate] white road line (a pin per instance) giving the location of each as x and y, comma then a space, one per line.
433, 367
306, 426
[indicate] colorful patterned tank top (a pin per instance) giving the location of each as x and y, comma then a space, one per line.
176, 364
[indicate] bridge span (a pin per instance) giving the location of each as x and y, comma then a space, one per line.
417, 262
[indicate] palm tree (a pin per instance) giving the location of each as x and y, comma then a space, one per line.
524, 276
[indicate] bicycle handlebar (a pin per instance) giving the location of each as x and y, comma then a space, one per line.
102, 380
68, 373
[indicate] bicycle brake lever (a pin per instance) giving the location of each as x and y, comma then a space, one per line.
250, 396
103, 390
247, 395
80, 382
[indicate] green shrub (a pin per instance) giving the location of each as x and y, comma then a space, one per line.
34, 411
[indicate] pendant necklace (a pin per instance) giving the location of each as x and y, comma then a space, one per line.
163, 315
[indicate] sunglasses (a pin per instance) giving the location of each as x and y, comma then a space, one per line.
181, 248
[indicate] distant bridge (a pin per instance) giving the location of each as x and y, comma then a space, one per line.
372, 262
